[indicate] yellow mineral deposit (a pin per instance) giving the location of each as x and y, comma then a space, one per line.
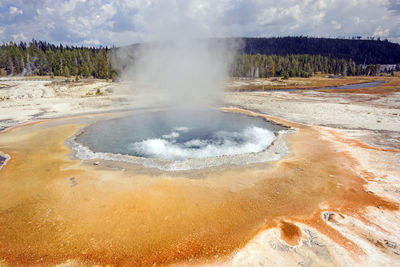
55, 208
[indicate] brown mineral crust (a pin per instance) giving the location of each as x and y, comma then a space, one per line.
357, 143
128, 219
290, 233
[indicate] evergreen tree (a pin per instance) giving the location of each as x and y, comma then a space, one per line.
42, 58
277, 57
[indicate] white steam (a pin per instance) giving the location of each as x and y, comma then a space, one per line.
179, 63
251, 139
185, 73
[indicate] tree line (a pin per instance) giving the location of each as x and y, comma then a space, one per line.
262, 66
42, 58
360, 50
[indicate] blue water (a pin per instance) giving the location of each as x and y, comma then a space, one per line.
180, 134
343, 87
351, 86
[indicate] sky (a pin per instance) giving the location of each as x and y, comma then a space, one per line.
123, 22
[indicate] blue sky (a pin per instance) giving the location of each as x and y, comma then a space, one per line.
121, 22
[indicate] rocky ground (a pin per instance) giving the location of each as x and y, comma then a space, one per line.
363, 124
27, 99
366, 123
379, 114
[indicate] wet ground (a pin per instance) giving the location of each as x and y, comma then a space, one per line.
57, 208
333, 201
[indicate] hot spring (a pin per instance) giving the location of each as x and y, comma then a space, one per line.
173, 139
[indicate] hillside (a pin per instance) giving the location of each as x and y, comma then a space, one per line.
259, 58
359, 50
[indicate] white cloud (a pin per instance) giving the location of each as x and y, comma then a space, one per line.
381, 32
336, 25
50, 10
357, 20
127, 21
91, 42
15, 10
19, 36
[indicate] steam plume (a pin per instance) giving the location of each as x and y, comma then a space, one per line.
185, 69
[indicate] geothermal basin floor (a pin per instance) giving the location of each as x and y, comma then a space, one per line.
312, 205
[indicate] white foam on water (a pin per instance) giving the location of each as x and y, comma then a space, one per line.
251, 139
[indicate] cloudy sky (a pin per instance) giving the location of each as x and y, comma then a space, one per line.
120, 22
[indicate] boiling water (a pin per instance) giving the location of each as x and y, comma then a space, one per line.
180, 134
